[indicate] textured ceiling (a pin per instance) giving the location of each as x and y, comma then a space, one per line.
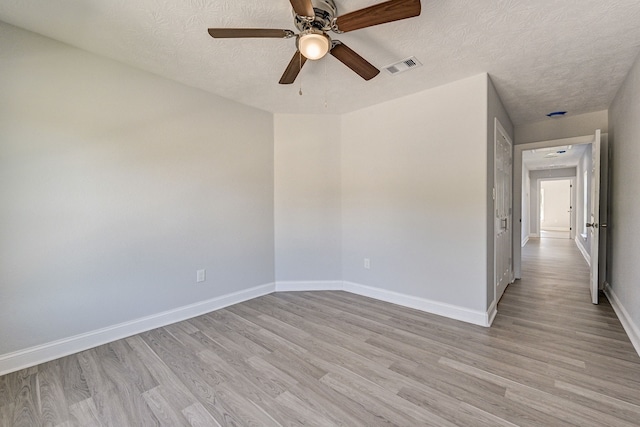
554, 157
543, 55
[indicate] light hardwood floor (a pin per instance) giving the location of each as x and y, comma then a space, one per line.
333, 358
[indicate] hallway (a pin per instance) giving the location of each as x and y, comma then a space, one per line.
590, 358
555, 276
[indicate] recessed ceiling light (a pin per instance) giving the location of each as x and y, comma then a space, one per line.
556, 114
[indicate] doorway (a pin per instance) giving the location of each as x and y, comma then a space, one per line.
555, 213
546, 163
587, 179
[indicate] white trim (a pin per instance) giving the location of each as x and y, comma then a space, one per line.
309, 285
491, 313
534, 235
583, 251
525, 241
632, 330
565, 229
422, 304
32, 356
442, 309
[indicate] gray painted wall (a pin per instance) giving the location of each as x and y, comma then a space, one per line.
624, 231
414, 194
307, 198
116, 186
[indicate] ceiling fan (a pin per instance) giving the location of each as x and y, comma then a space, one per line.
314, 18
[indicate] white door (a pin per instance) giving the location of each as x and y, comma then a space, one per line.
502, 210
594, 223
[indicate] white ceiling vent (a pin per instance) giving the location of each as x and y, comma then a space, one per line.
402, 66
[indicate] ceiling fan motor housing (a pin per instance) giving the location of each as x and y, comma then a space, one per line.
325, 11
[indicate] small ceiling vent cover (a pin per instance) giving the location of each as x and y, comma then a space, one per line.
402, 66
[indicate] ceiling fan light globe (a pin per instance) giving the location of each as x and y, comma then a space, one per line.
314, 45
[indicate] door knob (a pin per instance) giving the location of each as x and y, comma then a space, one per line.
592, 224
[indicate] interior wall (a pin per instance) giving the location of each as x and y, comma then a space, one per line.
414, 195
307, 197
564, 127
116, 186
624, 228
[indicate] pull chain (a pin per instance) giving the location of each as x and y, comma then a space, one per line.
326, 104
300, 69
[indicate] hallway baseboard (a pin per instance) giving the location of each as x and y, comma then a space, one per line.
632, 330
583, 251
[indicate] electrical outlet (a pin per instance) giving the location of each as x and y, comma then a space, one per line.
201, 276
367, 263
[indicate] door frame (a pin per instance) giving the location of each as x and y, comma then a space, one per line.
499, 130
572, 202
594, 231
517, 190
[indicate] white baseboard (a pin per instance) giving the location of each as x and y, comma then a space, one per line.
535, 235
555, 228
422, 304
447, 310
584, 252
309, 285
632, 330
32, 356
524, 241
492, 312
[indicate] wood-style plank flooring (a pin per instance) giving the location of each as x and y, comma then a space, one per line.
333, 358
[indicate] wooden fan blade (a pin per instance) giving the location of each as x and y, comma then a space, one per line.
293, 69
233, 33
354, 61
303, 8
389, 11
